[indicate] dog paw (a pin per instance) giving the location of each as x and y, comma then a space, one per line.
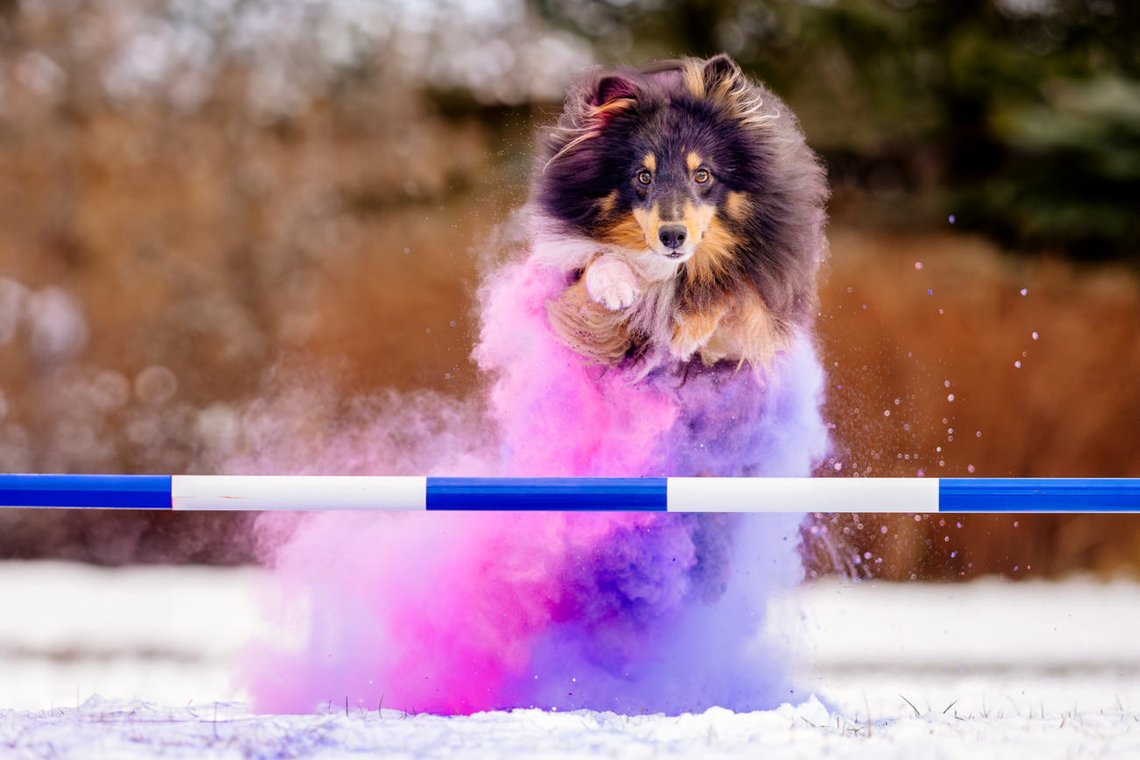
612, 283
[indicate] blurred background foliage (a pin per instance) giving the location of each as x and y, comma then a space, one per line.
218, 213
1020, 116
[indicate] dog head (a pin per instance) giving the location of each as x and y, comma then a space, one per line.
695, 170
652, 161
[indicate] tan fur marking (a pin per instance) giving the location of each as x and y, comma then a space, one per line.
617, 104
693, 77
627, 232
715, 249
693, 160
703, 213
607, 203
689, 217
696, 219
724, 89
650, 162
650, 223
737, 205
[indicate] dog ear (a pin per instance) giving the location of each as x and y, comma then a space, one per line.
590, 106
613, 88
721, 74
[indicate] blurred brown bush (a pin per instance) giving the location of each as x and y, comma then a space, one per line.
949, 359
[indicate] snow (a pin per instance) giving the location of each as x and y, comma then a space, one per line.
138, 662
127, 730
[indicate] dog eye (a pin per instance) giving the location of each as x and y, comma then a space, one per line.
701, 176
644, 177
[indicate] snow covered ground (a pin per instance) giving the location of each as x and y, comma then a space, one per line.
988, 669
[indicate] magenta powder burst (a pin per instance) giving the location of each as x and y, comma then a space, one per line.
457, 613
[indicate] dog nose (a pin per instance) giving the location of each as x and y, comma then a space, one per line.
672, 235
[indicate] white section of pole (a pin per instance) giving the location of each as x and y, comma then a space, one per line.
803, 494
297, 492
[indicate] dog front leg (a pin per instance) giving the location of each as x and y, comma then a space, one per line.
693, 330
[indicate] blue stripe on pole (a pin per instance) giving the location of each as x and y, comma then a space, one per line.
548, 494
1038, 495
86, 491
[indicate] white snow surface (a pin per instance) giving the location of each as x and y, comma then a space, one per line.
138, 663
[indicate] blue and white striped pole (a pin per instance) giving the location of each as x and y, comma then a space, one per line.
390, 493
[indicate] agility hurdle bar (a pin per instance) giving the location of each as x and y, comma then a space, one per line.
391, 493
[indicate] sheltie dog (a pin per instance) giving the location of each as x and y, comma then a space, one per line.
687, 212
